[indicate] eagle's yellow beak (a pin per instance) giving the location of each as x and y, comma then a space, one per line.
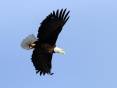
31, 46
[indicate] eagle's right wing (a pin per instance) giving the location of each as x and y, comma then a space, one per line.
51, 26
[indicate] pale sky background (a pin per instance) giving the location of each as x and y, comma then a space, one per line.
89, 39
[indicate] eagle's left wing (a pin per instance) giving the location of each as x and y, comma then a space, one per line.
42, 61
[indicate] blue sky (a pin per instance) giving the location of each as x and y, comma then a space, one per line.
89, 39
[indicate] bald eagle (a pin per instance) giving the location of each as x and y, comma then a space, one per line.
45, 44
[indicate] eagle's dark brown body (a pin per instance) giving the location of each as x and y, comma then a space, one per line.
47, 36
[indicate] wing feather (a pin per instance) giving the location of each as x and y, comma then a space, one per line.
51, 26
41, 61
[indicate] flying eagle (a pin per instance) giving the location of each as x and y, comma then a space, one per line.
45, 44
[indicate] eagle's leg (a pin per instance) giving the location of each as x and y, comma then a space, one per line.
59, 50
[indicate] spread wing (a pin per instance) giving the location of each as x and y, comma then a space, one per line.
41, 61
51, 26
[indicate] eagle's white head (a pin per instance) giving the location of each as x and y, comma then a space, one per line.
28, 42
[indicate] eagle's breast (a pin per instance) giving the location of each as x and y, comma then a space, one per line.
47, 48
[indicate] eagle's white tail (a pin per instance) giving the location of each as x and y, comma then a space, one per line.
30, 39
59, 50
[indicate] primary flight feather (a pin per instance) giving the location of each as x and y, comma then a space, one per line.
45, 43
